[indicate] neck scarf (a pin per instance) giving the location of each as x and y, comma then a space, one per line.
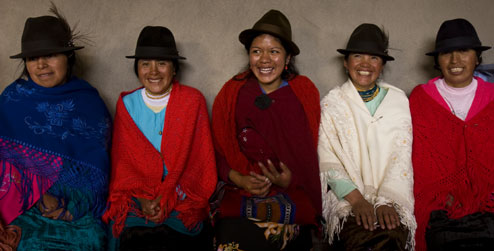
53, 138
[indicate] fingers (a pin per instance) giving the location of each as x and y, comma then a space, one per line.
388, 217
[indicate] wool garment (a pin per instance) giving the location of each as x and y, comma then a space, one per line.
452, 159
54, 141
186, 151
371, 151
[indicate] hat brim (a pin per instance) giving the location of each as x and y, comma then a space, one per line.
248, 35
156, 57
452, 48
382, 55
45, 52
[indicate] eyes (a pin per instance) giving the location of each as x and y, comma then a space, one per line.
147, 63
44, 57
358, 56
258, 51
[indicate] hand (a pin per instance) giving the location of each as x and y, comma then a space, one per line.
151, 209
254, 183
282, 179
387, 217
51, 207
362, 209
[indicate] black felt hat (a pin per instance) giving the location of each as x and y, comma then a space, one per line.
273, 23
368, 39
45, 35
156, 42
456, 34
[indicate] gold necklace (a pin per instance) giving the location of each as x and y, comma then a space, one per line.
149, 95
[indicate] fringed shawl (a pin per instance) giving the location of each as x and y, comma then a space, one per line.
373, 152
186, 150
453, 160
224, 127
53, 139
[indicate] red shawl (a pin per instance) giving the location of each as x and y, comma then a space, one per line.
223, 119
186, 150
451, 158
225, 134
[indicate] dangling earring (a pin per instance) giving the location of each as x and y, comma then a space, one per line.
286, 67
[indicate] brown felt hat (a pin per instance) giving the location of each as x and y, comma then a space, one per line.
43, 36
156, 42
273, 23
456, 34
368, 39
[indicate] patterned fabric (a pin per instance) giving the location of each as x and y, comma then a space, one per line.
373, 152
186, 150
452, 159
277, 208
236, 234
53, 140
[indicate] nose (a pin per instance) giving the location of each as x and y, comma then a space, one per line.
265, 57
41, 62
455, 56
366, 59
154, 66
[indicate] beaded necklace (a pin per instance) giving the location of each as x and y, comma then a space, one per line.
369, 94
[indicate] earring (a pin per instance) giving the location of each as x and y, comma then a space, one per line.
286, 67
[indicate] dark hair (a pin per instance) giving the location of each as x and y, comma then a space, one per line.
71, 60
176, 66
478, 53
289, 73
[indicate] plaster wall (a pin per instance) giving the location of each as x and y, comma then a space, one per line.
207, 31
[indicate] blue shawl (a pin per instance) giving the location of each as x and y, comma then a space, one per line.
57, 141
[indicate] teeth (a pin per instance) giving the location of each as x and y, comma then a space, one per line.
456, 69
364, 73
265, 70
154, 80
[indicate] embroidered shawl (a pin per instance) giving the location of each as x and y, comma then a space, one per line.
186, 150
452, 159
224, 126
373, 152
57, 139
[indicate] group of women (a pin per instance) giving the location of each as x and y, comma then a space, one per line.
375, 171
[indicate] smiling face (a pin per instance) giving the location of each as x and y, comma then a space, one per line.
363, 69
457, 67
155, 75
48, 71
267, 59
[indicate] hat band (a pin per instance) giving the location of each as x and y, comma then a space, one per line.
458, 42
41, 45
275, 29
365, 46
155, 51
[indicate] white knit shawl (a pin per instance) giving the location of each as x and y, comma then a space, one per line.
374, 152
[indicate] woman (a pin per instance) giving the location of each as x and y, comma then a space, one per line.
163, 167
452, 157
54, 137
261, 117
365, 152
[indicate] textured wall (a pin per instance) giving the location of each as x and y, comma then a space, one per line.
207, 34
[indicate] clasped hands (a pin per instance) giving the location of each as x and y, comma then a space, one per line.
260, 185
385, 215
151, 209
53, 208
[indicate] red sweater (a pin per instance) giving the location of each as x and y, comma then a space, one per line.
186, 150
453, 160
